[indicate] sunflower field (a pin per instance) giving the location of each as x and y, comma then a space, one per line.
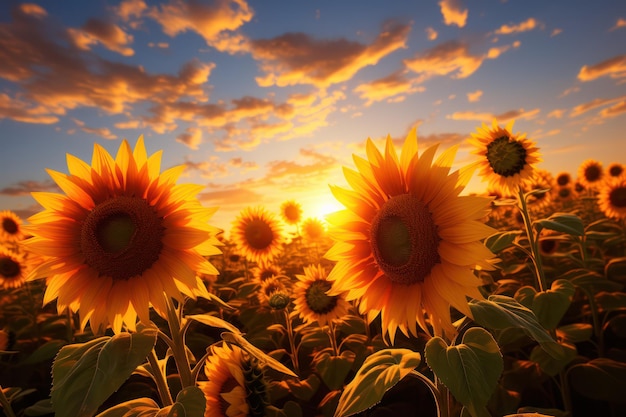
120, 299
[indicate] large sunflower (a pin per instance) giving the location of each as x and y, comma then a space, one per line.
257, 234
612, 198
408, 243
310, 298
121, 238
590, 173
10, 227
291, 212
13, 268
507, 159
235, 386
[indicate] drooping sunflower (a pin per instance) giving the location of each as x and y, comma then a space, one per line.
10, 227
507, 159
236, 385
590, 173
313, 229
257, 234
408, 242
310, 298
615, 170
291, 211
122, 238
612, 198
13, 268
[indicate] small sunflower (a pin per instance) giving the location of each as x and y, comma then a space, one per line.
122, 238
564, 193
311, 300
507, 159
291, 212
612, 198
615, 170
590, 173
264, 271
257, 234
313, 229
270, 286
10, 227
408, 242
13, 268
563, 179
542, 180
236, 386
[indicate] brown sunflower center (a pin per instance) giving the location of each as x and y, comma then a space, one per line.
266, 274
506, 156
593, 173
122, 237
617, 197
616, 170
565, 192
9, 226
9, 268
258, 234
563, 179
316, 298
404, 240
292, 213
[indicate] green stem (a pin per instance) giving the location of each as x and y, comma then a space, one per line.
292, 343
6, 405
159, 379
443, 398
534, 243
332, 337
179, 350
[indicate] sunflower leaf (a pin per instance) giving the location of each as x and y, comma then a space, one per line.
85, 375
469, 370
133, 408
563, 222
501, 240
380, 371
601, 379
262, 357
214, 321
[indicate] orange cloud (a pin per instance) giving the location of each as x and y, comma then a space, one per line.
453, 12
15, 109
431, 33
528, 24
486, 117
614, 110
556, 113
103, 132
613, 67
595, 103
297, 58
24, 188
474, 96
98, 31
192, 137
128, 9
621, 23
395, 84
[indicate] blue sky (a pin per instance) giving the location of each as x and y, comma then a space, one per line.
264, 101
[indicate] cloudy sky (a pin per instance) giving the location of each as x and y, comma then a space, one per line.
264, 101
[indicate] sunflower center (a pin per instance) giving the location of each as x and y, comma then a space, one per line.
122, 237
292, 213
258, 234
9, 268
266, 274
593, 173
507, 157
616, 170
617, 197
9, 226
563, 179
316, 298
404, 240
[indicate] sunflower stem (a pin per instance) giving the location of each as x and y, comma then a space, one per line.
292, 342
179, 350
332, 337
6, 405
443, 399
160, 380
533, 242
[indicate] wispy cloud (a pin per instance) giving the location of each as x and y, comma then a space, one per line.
595, 103
528, 24
621, 23
394, 85
613, 67
431, 33
474, 96
24, 188
482, 116
108, 34
453, 12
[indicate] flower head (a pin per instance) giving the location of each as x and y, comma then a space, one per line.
269, 287
257, 234
311, 299
612, 198
313, 229
13, 268
615, 170
122, 238
408, 242
10, 227
507, 159
291, 212
563, 179
590, 173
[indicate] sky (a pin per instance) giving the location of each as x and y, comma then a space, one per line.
264, 101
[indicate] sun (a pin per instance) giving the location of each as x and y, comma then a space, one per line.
324, 206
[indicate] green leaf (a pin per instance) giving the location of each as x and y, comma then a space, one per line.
334, 369
214, 321
563, 222
615, 269
501, 240
611, 301
46, 351
551, 365
500, 312
380, 371
469, 370
550, 306
590, 281
190, 402
575, 332
143, 407
600, 379
261, 356
85, 375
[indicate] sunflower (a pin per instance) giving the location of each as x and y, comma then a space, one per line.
122, 237
542, 180
313, 229
408, 242
257, 234
590, 173
236, 386
507, 159
612, 198
310, 298
291, 212
615, 170
264, 271
13, 268
10, 227
563, 179
270, 286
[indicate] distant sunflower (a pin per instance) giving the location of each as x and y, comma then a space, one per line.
313, 229
408, 242
121, 238
542, 180
257, 234
507, 159
10, 227
291, 212
563, 179
13, 268
235, 385
270, 286
612, 198
310, 298
615, 170
590, 173
565, 193
264, 271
